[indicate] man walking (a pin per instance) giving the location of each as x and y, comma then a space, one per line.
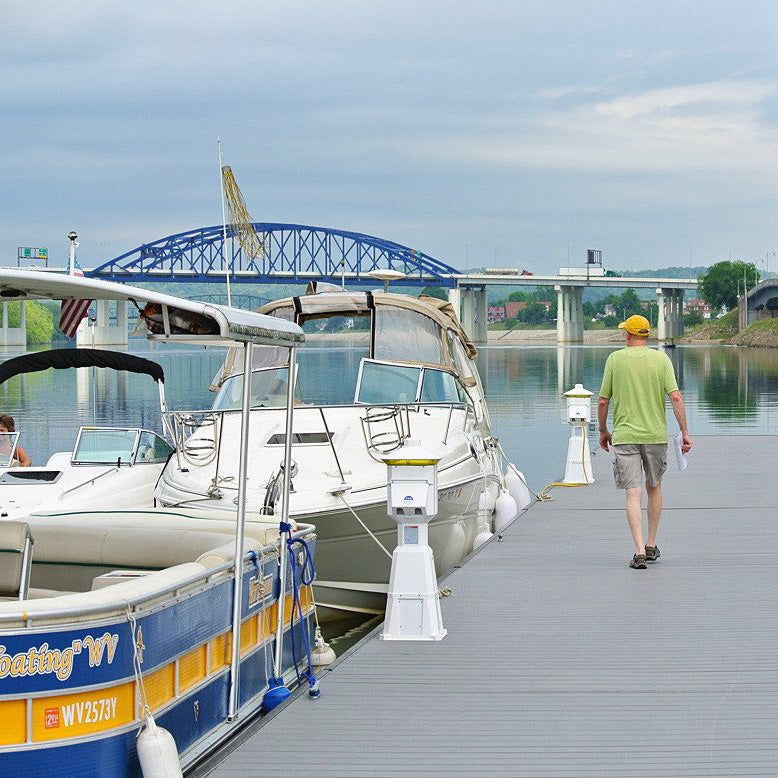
637, 378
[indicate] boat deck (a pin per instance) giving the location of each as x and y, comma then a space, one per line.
560, 660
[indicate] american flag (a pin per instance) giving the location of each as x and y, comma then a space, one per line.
73, 311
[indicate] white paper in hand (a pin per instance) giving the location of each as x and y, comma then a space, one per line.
679, 455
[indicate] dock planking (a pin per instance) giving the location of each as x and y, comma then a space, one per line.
562, 661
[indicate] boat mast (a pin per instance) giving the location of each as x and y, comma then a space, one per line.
224, 221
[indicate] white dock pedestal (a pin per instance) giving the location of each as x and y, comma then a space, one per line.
412, 603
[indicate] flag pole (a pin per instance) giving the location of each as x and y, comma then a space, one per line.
73, 237
224, 221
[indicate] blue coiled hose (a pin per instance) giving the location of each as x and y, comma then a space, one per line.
307, 575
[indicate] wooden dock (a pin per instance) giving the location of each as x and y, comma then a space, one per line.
562, 661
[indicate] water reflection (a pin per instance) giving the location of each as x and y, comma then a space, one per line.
727, 390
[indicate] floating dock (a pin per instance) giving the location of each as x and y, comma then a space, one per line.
562, 661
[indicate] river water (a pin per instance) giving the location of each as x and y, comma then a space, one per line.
727, 390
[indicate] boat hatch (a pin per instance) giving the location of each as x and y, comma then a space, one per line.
24, 476
301, 439
382, 383
119, 445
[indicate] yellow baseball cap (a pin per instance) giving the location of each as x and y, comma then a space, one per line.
636, 325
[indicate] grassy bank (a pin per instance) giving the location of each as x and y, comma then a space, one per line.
761, 333
722, 329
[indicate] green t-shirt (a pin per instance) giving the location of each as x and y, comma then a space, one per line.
638, 378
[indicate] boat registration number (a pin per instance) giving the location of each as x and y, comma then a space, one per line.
80, 714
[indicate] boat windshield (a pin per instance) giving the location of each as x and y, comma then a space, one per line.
8, 441
105, 446
382, 383
268, 390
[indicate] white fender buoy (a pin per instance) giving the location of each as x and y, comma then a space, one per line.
157, 752
454, 549
517, 486
492, 493
505, 511
322, 653
484, 521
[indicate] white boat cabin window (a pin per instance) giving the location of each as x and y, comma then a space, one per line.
403, 335
328, 362
8, 441
152, 448
105, 446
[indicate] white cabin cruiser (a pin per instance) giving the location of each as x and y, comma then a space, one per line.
109, 467
409, 372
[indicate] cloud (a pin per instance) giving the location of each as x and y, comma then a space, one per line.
715, 126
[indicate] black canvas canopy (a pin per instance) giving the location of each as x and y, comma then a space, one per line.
62, 358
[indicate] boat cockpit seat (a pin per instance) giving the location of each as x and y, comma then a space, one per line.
226, 553
15, 559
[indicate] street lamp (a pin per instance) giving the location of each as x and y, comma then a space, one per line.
691, 254
767, 256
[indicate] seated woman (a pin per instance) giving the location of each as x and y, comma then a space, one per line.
21, 459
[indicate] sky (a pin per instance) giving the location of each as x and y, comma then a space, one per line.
498, 133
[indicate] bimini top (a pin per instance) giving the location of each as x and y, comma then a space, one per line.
167, 317
62, 358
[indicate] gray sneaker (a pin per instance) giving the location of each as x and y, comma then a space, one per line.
652, 553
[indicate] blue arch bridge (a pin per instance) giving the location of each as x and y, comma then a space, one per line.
297, 253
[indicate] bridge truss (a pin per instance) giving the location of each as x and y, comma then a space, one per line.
292, 252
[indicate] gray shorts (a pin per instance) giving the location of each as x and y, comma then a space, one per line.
634, 459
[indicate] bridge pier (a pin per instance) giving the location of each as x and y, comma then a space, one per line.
14, 336
670, 321
569, 314
470, 306
101, 332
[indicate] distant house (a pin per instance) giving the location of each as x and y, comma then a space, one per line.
698, 305
495, 313
609, 310
512, 308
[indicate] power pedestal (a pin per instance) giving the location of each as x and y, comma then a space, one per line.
413, 603
578, 468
